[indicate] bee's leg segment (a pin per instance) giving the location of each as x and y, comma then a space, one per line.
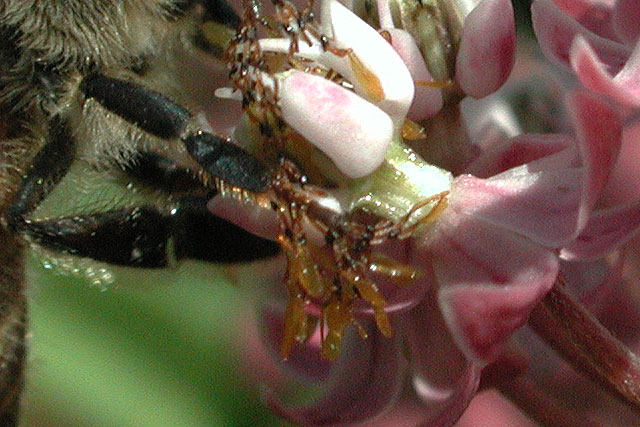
160, 116
214, 10
147, 237
221, 12
47, 169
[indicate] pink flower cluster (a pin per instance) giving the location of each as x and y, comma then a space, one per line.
523, 209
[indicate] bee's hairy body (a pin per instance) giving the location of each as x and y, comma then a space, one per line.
75, 80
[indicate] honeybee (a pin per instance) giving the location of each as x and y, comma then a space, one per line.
103, 153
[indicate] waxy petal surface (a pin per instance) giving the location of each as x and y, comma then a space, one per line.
490, 281
367, 378
594, 15
487, 49
622, 86
375, 54
542, 205
556, 32
445, 389
352, 132
427, 100
606, 230
626, 20
599, 134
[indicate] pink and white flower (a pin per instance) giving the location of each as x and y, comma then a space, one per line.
525, 204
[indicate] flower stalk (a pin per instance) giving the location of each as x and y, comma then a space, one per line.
575, 334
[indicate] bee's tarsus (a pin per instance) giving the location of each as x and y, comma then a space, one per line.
228, 162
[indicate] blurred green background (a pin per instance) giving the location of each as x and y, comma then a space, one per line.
151, 351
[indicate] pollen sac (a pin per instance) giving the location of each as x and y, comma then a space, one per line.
359, 132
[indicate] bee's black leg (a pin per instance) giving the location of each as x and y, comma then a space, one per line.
48, 168
160, 116
214, 10
139, 236
146, 237
221, 12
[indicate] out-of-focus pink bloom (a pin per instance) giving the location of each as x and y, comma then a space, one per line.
598, 40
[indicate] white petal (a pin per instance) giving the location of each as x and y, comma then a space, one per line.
377, 55
352, 132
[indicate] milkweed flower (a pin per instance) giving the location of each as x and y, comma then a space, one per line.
483, 249
597, 40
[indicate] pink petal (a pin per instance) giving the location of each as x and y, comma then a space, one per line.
352, 132
623, 187
517, 151
588, 280
599, 134
427, 101
594, 15
487, 49
445, 389
489, 121
623, 87
549, 199
543, 205
626, 20
366, 380
490, 281
556, 31
376, 54
304, 362
606, 230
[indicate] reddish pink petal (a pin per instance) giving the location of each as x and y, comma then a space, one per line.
490, 281
487, 50
626, 20
623, 186
623, 87
445, 389
304, 362
550, 198
599, 134
605, 231
556, 31
366, 380
426, 101
517, 151
594, 15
